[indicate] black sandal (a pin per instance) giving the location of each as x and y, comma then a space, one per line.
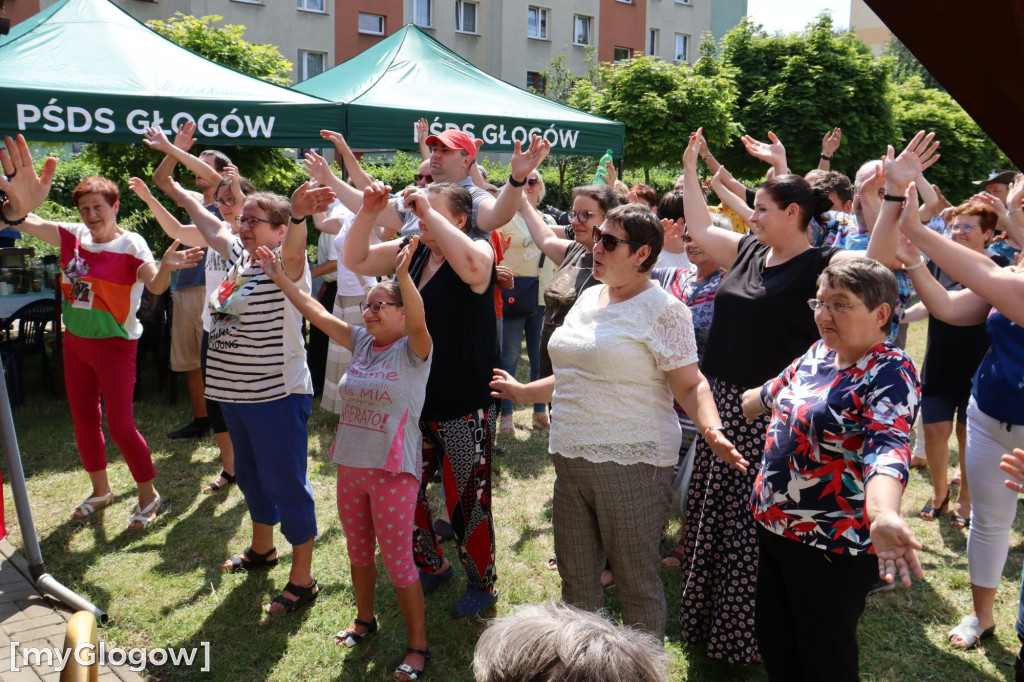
349, 640
303, 597
249, 560
410, 672
213, 486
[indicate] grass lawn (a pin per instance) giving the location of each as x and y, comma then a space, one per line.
162, 589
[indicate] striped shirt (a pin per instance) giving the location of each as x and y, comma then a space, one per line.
256, 350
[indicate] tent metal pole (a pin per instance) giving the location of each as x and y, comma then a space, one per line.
44, 582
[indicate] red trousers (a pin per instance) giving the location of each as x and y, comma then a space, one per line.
95, 368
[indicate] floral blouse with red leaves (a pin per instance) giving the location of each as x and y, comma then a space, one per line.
831, 430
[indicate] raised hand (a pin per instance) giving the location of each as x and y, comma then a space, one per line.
896, 548
404, 257
317, 168
673, 229
830, 143
773, 154
992, 201
524, 163
703, 150
1016, 193
140, 188
180, 260
375, 197
270, 263
416, 201
186, 136
720, 178
24, 188
154, 138
906, 252
307, 200
693, 149
910, 220
422, 130
612, 176
916, 158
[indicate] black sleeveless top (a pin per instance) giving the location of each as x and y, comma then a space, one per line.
463, 327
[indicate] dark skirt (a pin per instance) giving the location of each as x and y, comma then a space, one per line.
720, 570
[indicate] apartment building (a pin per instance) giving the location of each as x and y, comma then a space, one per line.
868, 27
514, 40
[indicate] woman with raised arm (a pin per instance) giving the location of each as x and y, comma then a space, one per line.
771, 273
995, 423
455, 275
626, 342
378, 447
104, 271
256, 370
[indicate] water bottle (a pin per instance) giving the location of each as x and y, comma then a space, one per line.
601, 176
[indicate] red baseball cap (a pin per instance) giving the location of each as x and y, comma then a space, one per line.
456, 139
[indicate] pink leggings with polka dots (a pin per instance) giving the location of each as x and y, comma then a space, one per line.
374, 504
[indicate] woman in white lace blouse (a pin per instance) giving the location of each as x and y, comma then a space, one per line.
625, 350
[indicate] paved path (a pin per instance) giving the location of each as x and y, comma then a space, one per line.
35, 621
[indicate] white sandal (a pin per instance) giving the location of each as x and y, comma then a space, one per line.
143, 515
91, 505
969, 632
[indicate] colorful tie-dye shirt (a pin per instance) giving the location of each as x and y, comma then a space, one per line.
100, 283
831, 430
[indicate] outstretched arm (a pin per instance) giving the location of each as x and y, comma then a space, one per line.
543, 235
157, 279
26, 190
493, 214
216, 232
735, 203
189, 235
892, 538
721, 245
422, 133
155, 139
360, 178
305, 201
773, 154
357, 255
415, 317
829, 145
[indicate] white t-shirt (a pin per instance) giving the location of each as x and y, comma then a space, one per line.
678, 261
612, 397
349, 283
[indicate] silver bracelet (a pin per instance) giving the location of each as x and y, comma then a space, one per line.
915, 266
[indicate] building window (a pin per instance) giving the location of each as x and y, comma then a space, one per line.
249, 2
422, 13
682, 52
311, 64
373, 24
465, 16
628, 2
537, 23
684, 2
622, 54
652, 42
536, 81
310, 5
581, 30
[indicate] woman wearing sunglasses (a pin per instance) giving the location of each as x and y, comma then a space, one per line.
761, 323
572, 258
827, 494
625, 350
378, 447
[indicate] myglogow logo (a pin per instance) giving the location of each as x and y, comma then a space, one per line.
57, 118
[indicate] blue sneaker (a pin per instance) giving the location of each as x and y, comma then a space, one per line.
432, 581
474, 601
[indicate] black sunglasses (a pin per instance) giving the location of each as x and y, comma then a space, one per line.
428, 178
610, 242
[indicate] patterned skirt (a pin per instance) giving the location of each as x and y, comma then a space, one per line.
720, 570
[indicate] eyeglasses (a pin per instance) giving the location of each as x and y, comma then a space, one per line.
609, 242
428, 178
834, 308
532, 181
253, 222
583, 216
374, 307
227, 202
968, 228
686, 239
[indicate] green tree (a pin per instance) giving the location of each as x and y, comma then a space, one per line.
967, 153
267, 168
905, 66
802, 85
660, 105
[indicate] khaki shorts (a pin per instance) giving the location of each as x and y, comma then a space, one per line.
187, 328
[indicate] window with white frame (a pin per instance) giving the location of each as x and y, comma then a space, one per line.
423, 13
311, 64
537, 23
581, 29
249, 2
465, 16
311, 5
372, 24
622, 54
652, 42
682, 52
684, 2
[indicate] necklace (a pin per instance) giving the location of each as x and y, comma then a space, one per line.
431, 268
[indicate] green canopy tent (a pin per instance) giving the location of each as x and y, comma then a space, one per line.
409, 75
87, 71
